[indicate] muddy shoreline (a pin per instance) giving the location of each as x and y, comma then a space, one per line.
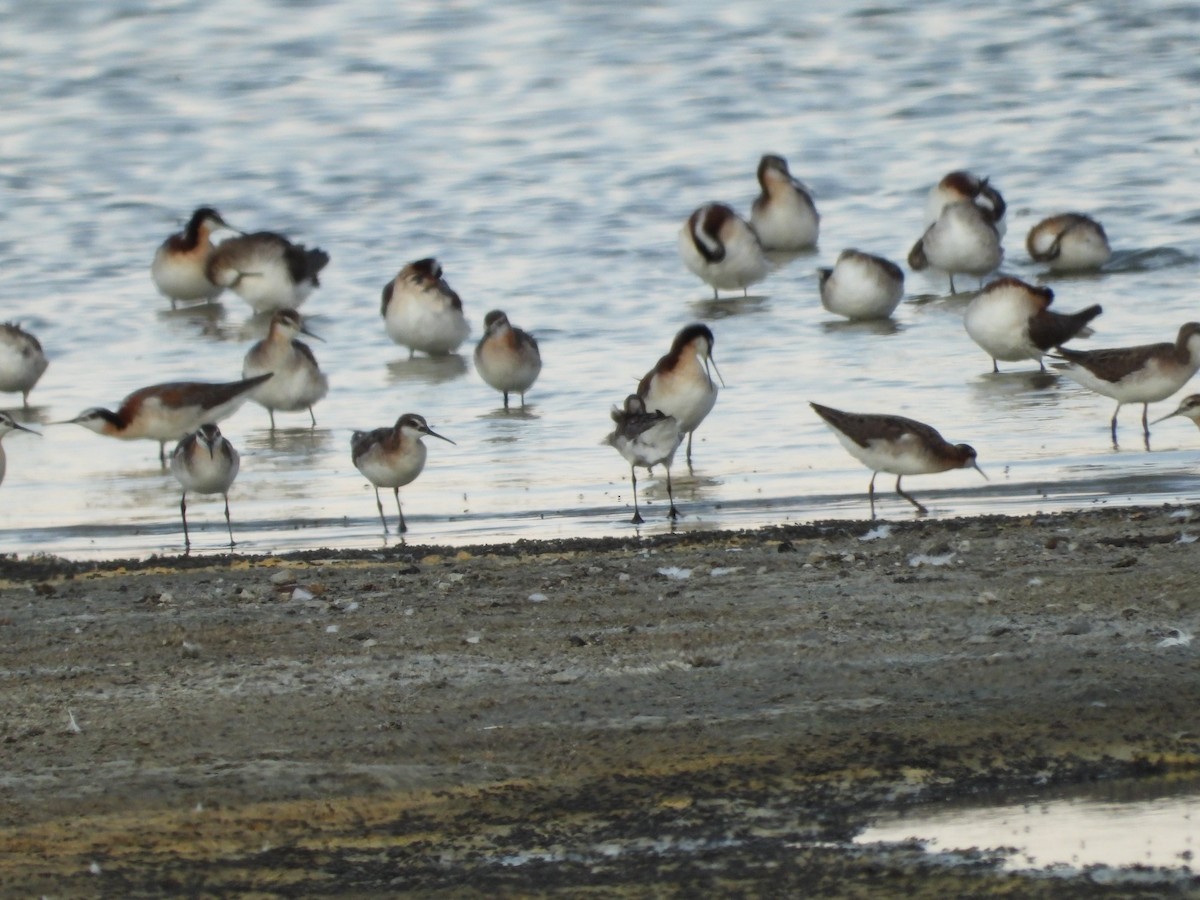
700, 714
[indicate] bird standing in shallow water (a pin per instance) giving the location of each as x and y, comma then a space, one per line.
8, 424
897, 445
679, 385
645, 439
962, 240
168, 412
1144, 374
721, 248
1070, 242
1012, 320
506, 357
392, 457
267, 270
22, 361
861, 286
298, 381
421, 312
205, 462
180, 265
784, 215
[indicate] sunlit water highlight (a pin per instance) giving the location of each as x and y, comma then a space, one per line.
1066, 834
547, 155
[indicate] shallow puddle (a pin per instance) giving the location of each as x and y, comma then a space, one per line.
1121, 824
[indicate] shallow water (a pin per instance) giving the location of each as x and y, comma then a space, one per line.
1150, 823
547, 155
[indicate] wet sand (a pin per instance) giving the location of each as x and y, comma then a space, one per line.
699, 715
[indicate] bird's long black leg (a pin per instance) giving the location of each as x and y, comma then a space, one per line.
920, 509
1114, 426
637, 516
871, 494
228, 523
1146, 424
403, 524
187, 544
672, 513
379, 503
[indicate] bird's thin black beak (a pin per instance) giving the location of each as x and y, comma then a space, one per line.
432, 433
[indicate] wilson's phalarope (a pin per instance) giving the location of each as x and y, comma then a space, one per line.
392, 457
506, 357
1189, 408
204, 462
861, 286
645, 439
421, 312
679, 384
960, 185
8, 424
784, 215
962, 240
22, 361
170, 411
1071, 242
298, 381
1143, 374
721, 248
896, 445
180, 266
1012, 320
266, 270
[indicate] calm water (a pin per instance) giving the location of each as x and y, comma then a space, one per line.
547, 153
1147, 822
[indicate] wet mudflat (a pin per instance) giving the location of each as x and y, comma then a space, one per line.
714, 713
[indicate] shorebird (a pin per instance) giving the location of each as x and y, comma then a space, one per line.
1070, 242
392, 457
180, 263
861, 286
960, 185
899, 446
22, 361
784, 215
1143, 374
298, 381
645, 439
168, 412
267, 270
8, 424
507, 358
1189, 408
1012, 320
204, 462
722, 249
679, 385
962, 240
421, 312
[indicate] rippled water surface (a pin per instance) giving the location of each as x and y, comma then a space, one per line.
547, 154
